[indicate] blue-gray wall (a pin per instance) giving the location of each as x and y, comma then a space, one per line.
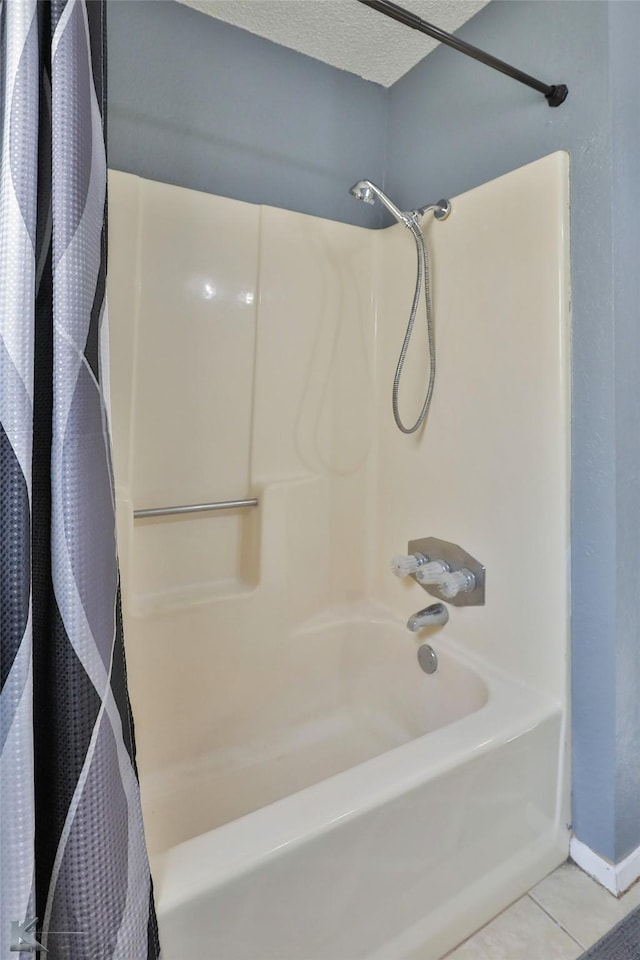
624, 34
198, 103
195, 102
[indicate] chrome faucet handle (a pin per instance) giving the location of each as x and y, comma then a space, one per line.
435, 572
403, 565
460, 581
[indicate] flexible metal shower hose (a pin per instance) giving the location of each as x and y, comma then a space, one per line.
423, 268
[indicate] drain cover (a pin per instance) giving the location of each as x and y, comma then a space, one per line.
427, 658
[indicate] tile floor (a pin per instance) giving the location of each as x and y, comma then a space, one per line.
557, 920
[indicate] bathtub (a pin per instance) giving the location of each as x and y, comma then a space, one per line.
367, 810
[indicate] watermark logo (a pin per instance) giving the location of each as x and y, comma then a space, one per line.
22, 938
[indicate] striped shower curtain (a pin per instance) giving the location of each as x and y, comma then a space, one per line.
72, 849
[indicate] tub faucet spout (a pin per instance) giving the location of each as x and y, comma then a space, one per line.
433, 615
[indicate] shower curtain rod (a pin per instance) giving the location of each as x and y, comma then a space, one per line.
555, 94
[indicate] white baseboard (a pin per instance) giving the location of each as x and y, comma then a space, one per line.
616, 877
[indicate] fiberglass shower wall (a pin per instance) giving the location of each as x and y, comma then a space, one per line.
183, 314
242, 363
491, 470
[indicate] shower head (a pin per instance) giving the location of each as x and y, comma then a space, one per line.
363, 190
367, 191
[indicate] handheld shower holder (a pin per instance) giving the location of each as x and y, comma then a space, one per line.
441, 209
457, 561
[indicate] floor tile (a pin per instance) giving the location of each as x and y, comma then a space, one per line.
631, 899
523, 932
582, 906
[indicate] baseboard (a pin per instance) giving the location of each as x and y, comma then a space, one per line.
616, 877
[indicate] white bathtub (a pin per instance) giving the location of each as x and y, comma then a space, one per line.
373, 811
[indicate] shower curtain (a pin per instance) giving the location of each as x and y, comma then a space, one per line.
72, 849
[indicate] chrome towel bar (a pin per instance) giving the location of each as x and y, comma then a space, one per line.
193, 508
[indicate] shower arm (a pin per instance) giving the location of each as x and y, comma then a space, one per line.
555, 93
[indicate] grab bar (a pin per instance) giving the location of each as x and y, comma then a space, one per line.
193, 508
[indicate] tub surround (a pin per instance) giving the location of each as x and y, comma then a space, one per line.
253, 352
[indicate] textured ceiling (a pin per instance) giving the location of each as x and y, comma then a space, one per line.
344, 33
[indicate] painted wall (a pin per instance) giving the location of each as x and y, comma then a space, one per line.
201, 104
475, 124
624, 33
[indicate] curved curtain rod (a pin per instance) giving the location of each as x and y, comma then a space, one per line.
555, 94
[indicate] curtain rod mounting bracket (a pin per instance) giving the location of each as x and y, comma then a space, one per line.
557, 95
